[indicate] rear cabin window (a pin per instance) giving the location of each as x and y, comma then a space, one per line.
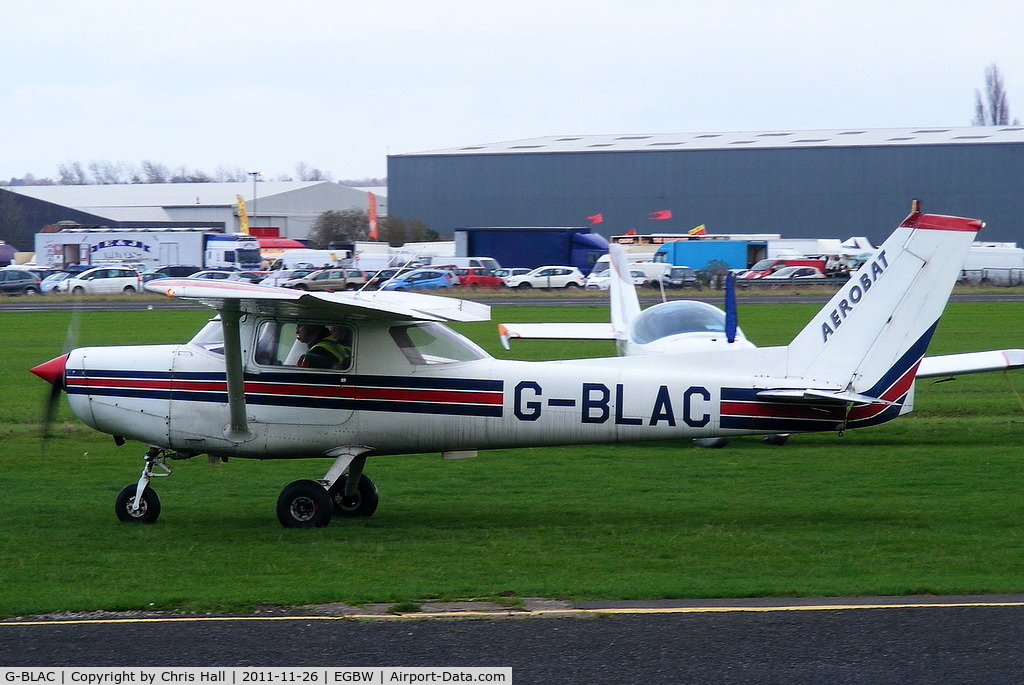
432, 343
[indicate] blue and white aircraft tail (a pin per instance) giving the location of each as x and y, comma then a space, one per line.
861, 353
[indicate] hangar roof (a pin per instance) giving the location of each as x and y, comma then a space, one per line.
151, 195
848, 137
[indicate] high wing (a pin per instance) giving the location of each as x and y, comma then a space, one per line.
378, 304
970, 362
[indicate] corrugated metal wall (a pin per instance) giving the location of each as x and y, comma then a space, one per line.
805, 192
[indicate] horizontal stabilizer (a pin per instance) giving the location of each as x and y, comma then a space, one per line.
555, 331
814, 396
970, 362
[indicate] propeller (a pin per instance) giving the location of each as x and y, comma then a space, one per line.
53, 373
730, 308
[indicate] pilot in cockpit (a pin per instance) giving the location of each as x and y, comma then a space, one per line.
327, 349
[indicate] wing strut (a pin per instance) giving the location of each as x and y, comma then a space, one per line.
230, 316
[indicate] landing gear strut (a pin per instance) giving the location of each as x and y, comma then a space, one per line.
138, 503
312, 504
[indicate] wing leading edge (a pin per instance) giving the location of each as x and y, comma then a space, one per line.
257, 299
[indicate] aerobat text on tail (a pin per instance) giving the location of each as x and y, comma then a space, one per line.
407, 383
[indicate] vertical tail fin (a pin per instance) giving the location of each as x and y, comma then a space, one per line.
625, 303
872, 334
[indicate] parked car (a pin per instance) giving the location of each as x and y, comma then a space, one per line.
278, 278
215, 275
479, 277
603, 280
792, 274
451, 269
102, 280
421, 279
14, 281
680, 277
49, 283
384, 275
329, 280
228, 275
548, 277
507, 273
175, 271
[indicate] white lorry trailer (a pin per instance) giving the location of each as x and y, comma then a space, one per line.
147, 248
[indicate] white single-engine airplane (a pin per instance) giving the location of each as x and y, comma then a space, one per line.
411, 385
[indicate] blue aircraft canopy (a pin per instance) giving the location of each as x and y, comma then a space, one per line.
674, 318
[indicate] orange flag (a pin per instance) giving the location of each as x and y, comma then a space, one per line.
372, 211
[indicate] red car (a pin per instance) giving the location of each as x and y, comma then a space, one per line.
479, 277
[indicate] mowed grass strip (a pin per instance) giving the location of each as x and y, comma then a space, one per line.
930, 503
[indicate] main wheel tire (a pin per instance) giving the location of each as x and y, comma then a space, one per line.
304, 504
78, 290
363, 505
149, 507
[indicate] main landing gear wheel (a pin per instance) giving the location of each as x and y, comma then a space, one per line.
304, 504
360, 505
147, 511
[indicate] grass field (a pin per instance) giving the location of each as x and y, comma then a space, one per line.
931, 503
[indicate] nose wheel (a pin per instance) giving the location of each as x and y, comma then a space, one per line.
131, 508
138, 503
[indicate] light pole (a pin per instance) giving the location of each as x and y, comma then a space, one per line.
254, 174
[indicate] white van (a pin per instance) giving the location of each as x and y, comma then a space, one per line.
466, 262
102, 280
652, 270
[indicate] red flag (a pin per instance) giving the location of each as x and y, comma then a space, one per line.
595, 219
372, 211
660, 215
631, 231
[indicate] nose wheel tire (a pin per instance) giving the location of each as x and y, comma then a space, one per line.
147, 511
304, 504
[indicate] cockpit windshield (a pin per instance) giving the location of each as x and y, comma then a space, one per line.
210, 337
673, 318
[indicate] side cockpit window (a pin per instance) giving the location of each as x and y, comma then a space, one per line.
311, 345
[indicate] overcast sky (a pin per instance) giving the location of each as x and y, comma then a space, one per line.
339, 85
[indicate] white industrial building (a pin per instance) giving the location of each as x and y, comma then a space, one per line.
291, 207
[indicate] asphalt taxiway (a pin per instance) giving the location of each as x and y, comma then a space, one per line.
931, 640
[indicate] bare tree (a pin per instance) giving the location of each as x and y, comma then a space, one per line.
339, 226
304, 172
154, 172
71, 174
993, 110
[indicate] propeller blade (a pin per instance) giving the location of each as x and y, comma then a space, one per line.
730, 308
